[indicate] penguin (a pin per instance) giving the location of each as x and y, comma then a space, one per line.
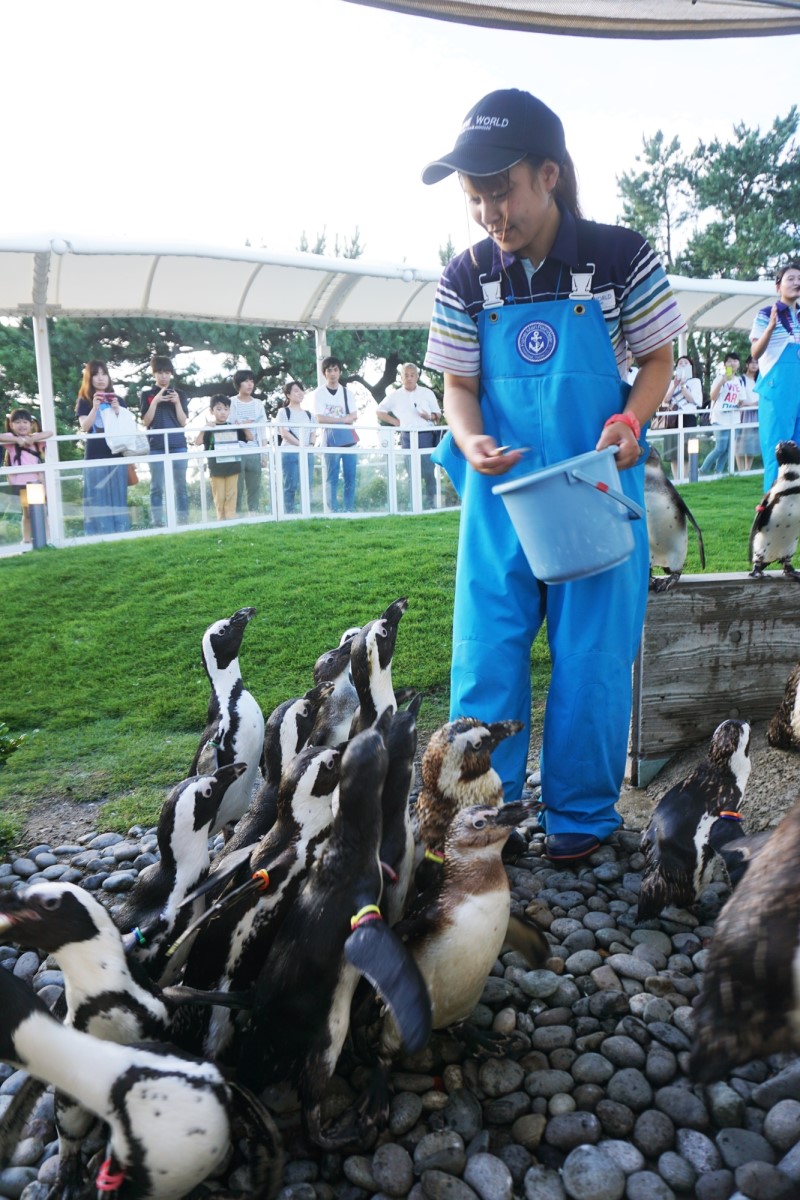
738, 853
456, 932
783, 731
776, 528
667, 529
371, 652
678, 844
286, 732
172, 1119
457, 773
335, 715
151, 915
235, 728
749, 1003
332, 934
237, 933
397, 834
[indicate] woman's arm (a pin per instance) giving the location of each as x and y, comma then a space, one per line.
463, 413
758, 345
646, 395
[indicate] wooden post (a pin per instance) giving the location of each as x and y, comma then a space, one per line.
716, 646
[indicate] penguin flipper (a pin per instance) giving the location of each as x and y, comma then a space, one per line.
255, 1133
226, 868
525, 936
377, 952
16, 1116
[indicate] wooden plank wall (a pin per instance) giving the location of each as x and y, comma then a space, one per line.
717, 646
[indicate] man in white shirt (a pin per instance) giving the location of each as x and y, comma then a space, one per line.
414, 407
336, 408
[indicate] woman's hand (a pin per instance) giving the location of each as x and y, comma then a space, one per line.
620, 434
485, 456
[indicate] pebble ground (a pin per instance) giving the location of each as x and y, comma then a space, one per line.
595, 1103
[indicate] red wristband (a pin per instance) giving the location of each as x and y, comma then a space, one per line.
628, 419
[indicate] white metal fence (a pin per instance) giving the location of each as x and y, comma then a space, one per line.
389, 480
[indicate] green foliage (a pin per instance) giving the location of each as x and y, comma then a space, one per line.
8, 743
741, 196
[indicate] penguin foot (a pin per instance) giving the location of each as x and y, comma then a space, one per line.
482, 1044
790, 572
757, 572
665, 584
346, 1130
373, 1104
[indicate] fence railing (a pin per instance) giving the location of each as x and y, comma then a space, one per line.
87, 500
92, 499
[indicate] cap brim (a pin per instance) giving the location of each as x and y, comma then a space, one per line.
470, 160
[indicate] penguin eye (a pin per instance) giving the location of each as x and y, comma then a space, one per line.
207, 789
51, 903
480, 822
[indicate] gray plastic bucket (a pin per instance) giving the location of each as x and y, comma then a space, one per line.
572, 520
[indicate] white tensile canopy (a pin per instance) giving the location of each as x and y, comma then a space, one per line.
51, 277
614, 18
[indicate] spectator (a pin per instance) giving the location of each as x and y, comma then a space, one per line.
775, 342
727, 395
334, 408
414, 407
105, 488
224, 469
163, 407
748, 444
684, 399
247, 411
295, 428
24, 447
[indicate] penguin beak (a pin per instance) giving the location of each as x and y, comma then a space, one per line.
242, 616
500, 730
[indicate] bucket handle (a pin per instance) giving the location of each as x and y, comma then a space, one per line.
635, 511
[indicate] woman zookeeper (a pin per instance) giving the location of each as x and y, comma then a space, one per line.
531, 327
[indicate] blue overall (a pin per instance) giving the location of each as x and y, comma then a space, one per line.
557, 407
779, 408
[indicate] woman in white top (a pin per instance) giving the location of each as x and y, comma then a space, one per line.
295, 428
682, 401
748, 443
250, 414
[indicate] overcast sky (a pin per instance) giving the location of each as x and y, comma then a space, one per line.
218, 123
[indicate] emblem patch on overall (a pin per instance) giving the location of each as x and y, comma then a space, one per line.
537, 342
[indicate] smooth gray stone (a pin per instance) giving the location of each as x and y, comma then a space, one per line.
738, 1146
646, 1185
102, 841
506, 1109
677, 1172
542, 1183
589, 1174
682, 1107
725, 1106
442, 1151
120, 881
548, 1083
573, 1129
783, 1086
357, 1170
438, 1185
623, 1051
27, 965
714, 1185
404, 1112
500, 1076
782, 1125
489, 1177
762, 1181
592, 1068
624, 1154
393, 1169
629, 1087
14, 1180
464, 1113
661, 1066
23, 868
653, 1133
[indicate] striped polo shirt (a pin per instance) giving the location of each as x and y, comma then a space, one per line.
628, 281
787, 330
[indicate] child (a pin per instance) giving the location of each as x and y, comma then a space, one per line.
247, 410
24, 443
224, 468
531, 328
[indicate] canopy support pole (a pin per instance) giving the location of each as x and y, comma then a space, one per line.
44, 373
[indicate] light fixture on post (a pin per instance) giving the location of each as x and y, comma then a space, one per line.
35, 496
693, 446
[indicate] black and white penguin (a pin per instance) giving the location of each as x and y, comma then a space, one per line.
235, 728
457, 773
332, 934
783, 731
371, 652
397, 836
668, 518
153, 915
335, 715
749, 1004
236, 935
679, 842
171, 1118
776, 528
286, 733
738, 853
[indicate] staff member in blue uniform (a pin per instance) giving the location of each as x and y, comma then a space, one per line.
775, 342
548, 378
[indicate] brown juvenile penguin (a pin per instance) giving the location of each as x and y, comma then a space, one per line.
749, 1006
783, 731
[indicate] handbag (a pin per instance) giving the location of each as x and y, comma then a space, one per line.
122, 433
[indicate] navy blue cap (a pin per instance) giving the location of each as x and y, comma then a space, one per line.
502, 129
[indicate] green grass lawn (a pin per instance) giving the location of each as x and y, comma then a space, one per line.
106, 680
